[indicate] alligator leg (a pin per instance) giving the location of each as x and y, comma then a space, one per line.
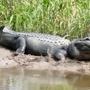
59, 54
21, 45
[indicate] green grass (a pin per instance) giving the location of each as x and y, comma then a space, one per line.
57, 87
58, 17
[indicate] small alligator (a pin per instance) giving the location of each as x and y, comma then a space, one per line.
34, 43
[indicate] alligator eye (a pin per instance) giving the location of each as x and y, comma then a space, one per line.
87, 38
84, 39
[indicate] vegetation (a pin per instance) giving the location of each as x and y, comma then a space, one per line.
58, 17
57, 87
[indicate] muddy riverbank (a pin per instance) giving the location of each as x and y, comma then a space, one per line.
10, 59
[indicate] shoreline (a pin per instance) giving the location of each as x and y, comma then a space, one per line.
10, 59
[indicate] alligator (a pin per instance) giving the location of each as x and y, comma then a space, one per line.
45, 44
34, 43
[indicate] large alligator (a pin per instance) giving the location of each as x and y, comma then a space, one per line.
45, 44
34, 43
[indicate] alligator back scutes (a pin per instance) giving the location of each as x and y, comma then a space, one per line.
56, 40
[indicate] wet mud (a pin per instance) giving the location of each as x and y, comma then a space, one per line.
10, 59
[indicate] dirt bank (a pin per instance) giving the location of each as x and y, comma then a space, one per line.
10, 59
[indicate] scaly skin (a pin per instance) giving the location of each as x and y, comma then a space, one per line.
44, 44
79, 49
34, 43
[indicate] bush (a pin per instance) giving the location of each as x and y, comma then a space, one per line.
58, 17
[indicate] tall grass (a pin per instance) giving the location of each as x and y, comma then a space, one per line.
58, 17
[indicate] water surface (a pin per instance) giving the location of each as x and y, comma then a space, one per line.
20, 79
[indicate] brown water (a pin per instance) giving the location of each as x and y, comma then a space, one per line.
20, 79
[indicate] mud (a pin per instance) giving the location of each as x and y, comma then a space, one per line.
11, 59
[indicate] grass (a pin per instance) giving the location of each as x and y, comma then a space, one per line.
57, 87
57, 17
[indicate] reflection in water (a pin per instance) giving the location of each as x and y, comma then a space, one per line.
79, 80
20, 79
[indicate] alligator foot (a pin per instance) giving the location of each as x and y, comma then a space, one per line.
60, 54
21, 45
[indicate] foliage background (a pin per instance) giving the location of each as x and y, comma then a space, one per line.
58, 17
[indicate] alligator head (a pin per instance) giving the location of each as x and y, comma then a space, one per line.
79, 49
